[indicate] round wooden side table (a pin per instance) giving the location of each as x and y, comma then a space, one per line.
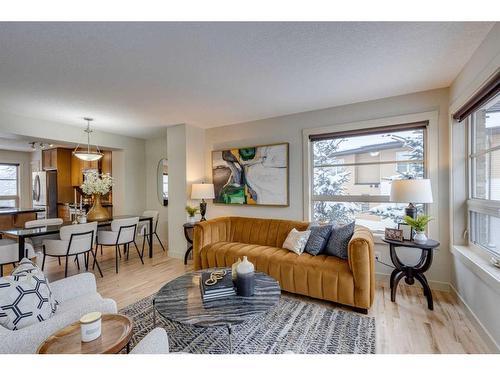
116, 335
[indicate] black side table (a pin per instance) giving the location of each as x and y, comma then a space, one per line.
188, 233
410, 273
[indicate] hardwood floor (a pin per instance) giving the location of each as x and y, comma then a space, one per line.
406, 326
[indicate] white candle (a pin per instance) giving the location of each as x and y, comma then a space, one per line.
81, 203
75, 198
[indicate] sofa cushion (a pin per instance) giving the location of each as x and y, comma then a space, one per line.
338, 244
81, 305
25, 297
296, 241
318, 238
319, 276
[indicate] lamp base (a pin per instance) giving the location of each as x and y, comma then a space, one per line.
203, 210
411, 211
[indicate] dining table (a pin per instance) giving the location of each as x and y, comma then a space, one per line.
21, 234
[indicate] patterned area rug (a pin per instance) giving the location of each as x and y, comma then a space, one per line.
293, 325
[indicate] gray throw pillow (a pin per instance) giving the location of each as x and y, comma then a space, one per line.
318, 238
339, 241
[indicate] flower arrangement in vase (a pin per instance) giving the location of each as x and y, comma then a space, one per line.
419, 224
97, 186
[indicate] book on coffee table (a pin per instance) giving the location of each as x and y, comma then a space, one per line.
223, 288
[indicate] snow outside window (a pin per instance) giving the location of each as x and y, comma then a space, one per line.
9, 196
352, 175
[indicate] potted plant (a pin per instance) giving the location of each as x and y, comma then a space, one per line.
419, 225
191, 212
97, 185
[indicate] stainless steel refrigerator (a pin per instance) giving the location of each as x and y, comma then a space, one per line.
45, 193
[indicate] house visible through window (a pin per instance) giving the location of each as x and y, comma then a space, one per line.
484, 176
352, 173
9, 189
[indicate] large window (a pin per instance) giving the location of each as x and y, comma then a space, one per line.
484, 176
9, 189
352, 173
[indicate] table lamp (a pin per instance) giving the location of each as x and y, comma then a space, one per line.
202, 191
411, 191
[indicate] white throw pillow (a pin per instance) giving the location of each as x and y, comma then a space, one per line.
296, 241
25, 297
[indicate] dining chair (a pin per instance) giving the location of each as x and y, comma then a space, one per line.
37, 242
143, 228
122, 233
74, 240
9, 252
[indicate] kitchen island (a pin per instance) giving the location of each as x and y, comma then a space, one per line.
16, 217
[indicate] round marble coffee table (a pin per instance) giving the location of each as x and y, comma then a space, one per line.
180, 301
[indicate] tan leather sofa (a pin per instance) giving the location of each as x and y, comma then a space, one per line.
219, 242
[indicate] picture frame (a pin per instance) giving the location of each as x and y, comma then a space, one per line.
394, 234
407, 231
252, 175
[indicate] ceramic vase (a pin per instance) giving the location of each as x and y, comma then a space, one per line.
97, 211
245, 279
420, 237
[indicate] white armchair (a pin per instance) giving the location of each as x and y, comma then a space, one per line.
155, 342
77, 296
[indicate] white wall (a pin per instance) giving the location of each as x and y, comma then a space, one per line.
481, 299
177, 189
24, 161
128, 164
156, 150
185, 149
289, 129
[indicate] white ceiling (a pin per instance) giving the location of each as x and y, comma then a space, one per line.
136, 77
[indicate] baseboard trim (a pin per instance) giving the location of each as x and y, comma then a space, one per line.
436, 285
481, 329
176, 255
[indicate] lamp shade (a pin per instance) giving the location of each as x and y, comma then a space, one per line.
411, 191
202, 191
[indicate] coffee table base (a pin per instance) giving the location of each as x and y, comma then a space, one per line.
229, 330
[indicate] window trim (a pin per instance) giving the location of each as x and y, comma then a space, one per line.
488, 91
16, 198
489, 207
365, 198
431, 118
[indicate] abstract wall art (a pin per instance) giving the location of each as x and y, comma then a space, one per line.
255, 175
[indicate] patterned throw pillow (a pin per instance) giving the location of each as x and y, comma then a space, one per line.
318, 238
339, 241
296, 241
25, 297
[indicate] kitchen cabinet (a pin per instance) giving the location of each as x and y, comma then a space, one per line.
60, 159
49, 159
64, 212
79, 167
106, 163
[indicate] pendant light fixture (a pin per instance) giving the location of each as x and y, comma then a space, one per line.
88, 155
